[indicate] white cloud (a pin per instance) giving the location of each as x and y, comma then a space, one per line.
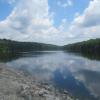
87, 25
65, 4
91, 15
70, 3
31, 21
64, 25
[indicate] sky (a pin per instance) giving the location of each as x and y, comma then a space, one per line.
57, 22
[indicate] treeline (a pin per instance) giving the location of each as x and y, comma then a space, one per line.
91, 46
8, 46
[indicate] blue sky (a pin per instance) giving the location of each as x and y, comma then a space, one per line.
67, 13
5, 10
49, 21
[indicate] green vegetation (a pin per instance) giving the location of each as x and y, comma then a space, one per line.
7, 46
86, 48
10, 49
90, 48
4, 49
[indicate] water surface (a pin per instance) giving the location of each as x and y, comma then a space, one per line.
78, 75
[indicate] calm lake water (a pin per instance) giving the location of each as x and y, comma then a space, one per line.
78, 75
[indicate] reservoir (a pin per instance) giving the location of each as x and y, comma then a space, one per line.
79, 75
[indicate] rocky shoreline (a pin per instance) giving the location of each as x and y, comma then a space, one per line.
14, 85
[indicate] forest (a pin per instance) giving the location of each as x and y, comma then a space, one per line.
89, 48
15, 46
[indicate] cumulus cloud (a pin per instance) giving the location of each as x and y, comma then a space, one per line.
91, 15
29, 22
87, 25
32, 21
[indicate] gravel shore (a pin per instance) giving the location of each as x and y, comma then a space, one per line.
14, 85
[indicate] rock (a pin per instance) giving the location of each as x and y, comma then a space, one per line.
65, 92
16, 86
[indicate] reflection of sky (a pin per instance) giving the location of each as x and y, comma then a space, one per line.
91, 79
72, 70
